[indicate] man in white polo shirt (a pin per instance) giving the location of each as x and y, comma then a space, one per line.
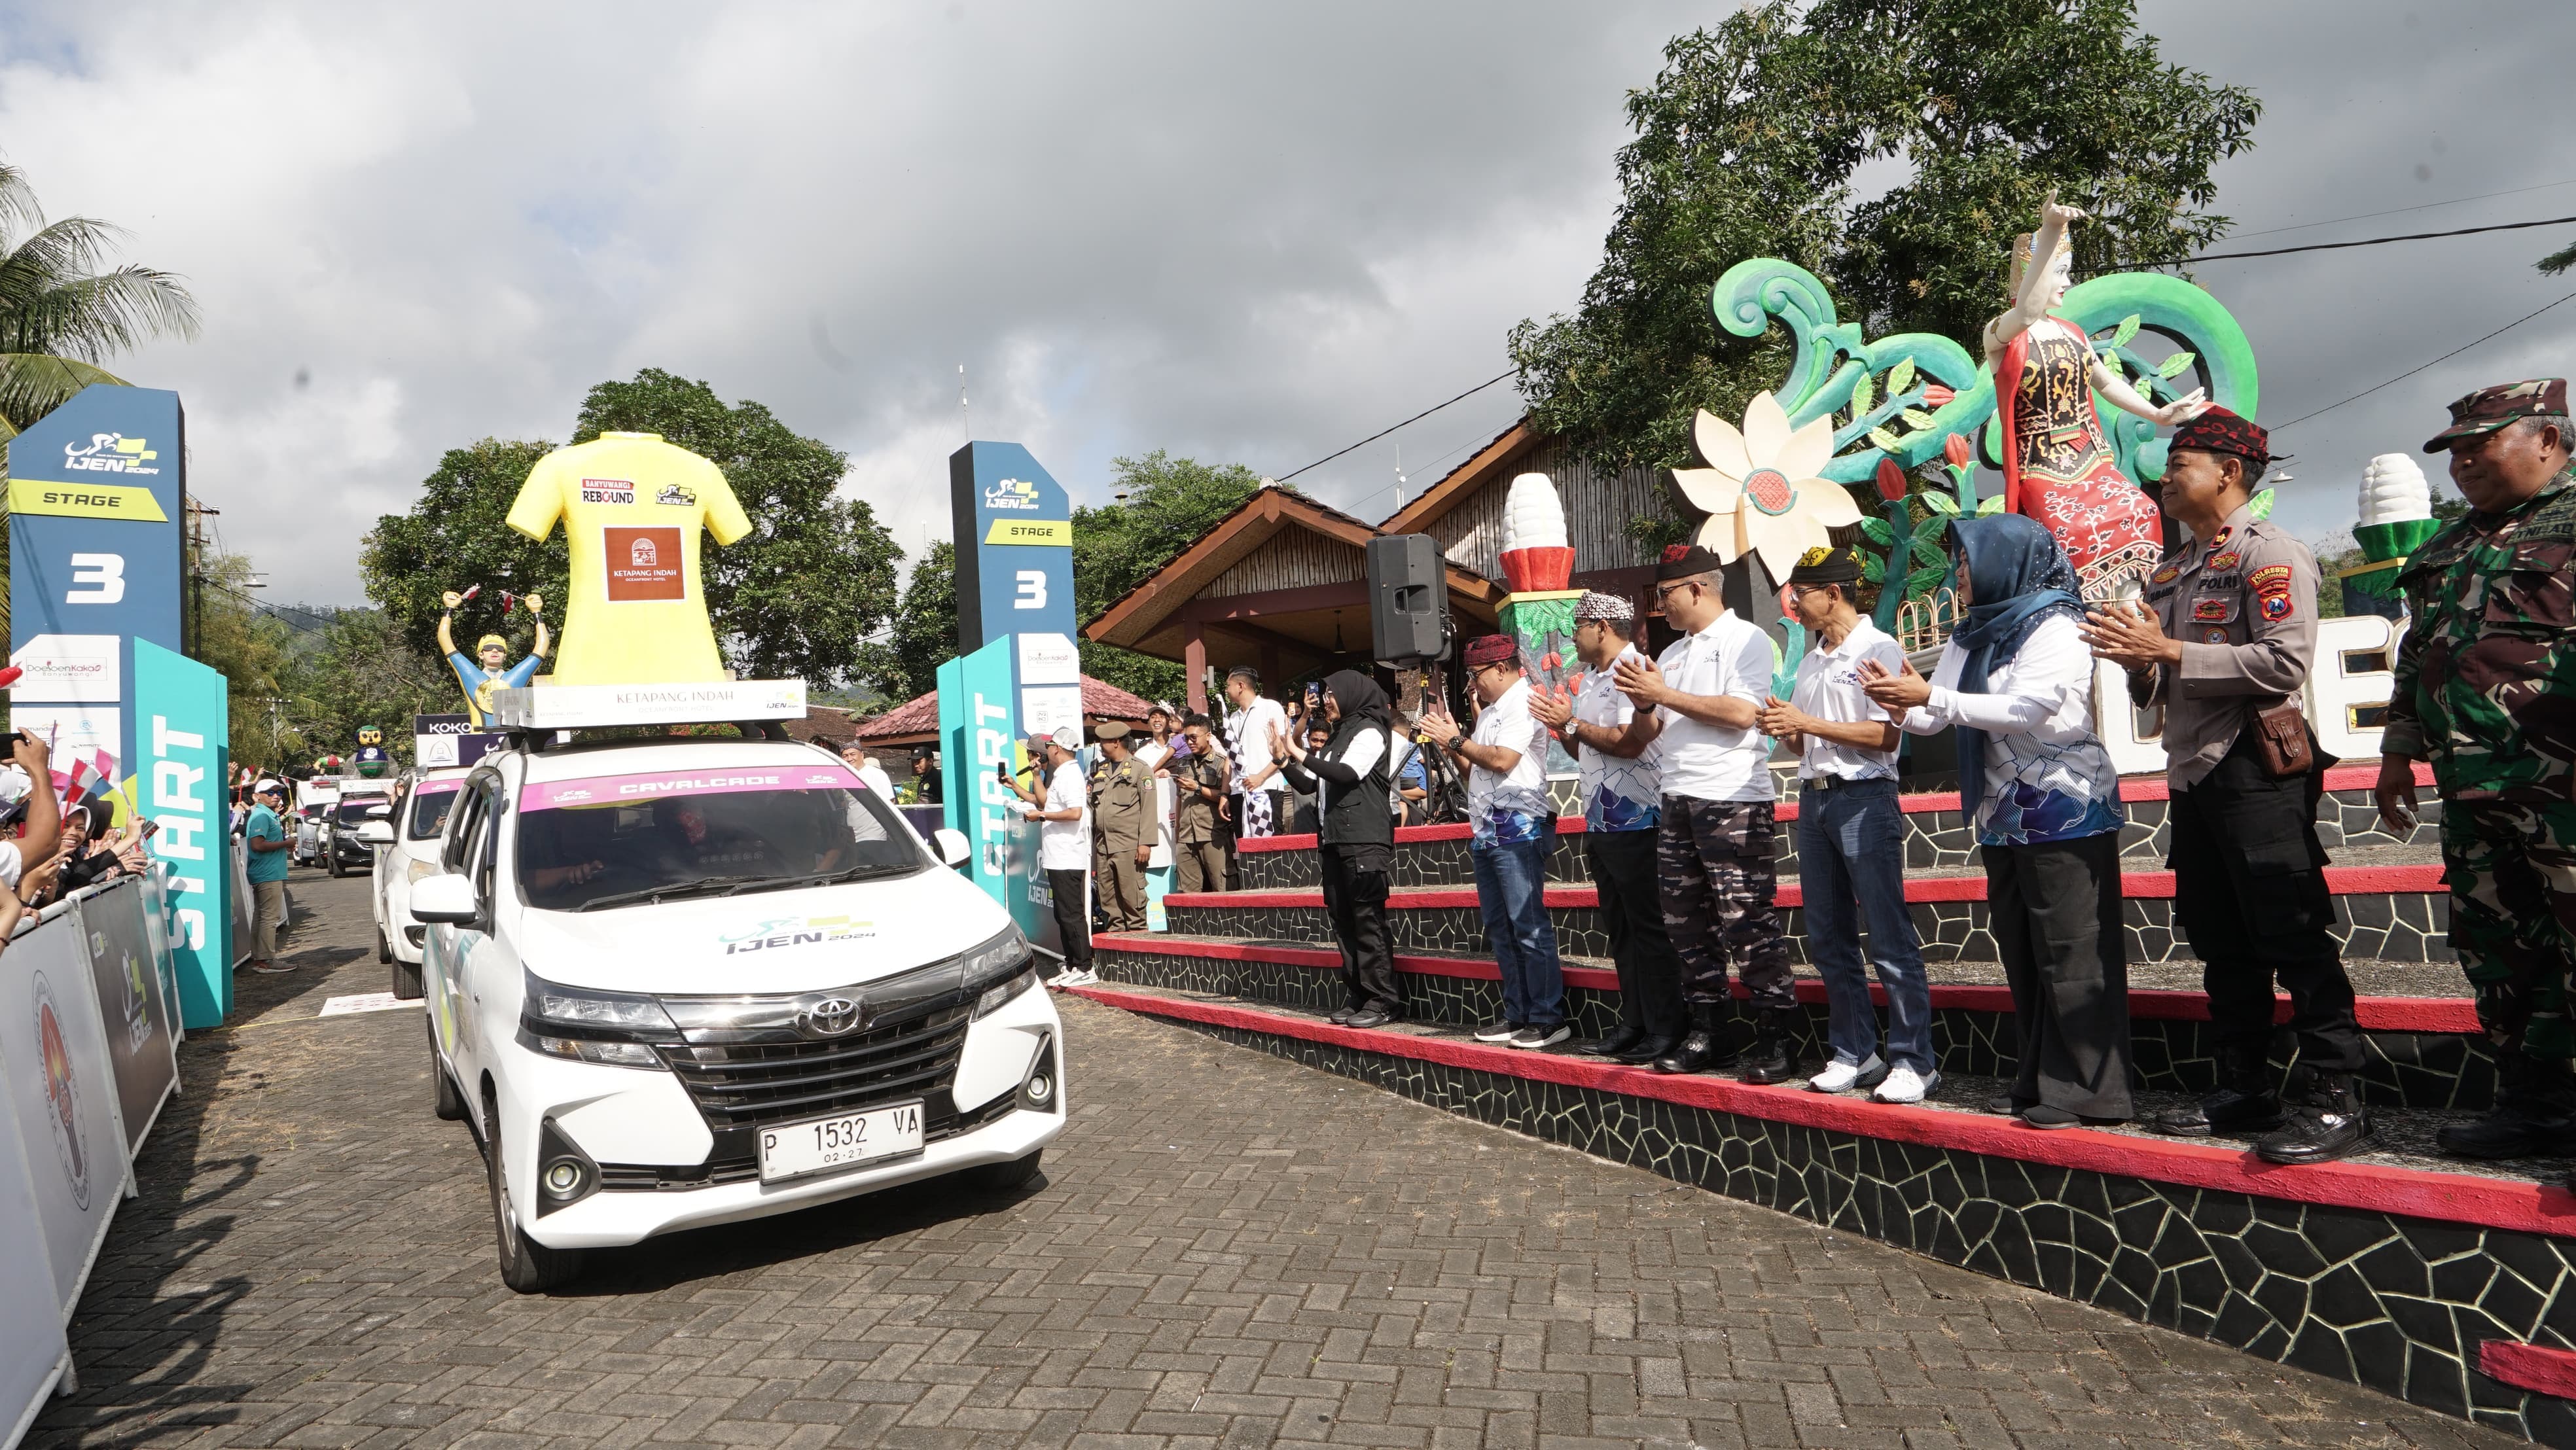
1851, 839
1716, 833
1063, 813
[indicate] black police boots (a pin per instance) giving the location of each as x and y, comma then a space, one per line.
2242, 1102
2535, 1114
1772, 1059
2327, 1120
1707, 1046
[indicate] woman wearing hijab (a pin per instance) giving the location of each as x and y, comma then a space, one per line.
2016, 679
1357, 837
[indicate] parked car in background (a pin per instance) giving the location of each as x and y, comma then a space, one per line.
406, 845
360, 801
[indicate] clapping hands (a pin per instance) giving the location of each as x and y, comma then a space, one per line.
1894, 691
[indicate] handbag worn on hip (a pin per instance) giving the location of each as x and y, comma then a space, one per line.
2281, 735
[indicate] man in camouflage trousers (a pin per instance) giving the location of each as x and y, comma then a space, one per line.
2486, 691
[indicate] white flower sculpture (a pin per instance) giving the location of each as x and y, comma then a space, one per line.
1760, 489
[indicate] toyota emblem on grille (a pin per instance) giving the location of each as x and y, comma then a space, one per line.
834, 1016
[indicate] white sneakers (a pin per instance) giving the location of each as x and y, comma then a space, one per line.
1840, 1076
1072, 978
1897, 1084
1905, 1085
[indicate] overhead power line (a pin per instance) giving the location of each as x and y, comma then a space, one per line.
2396, 210
2374, 241
2410, 372
1416, 418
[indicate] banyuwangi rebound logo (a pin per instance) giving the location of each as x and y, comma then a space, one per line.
112, 453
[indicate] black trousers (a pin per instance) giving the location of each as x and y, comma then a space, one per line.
2250, 892
1072, 917
1632, 913
1355, 885
2055, 909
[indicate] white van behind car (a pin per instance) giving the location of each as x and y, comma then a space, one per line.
687, 982
406, 846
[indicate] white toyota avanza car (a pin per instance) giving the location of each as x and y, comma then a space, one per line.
689, 982
407, 844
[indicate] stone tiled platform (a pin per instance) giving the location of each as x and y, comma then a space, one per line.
2451, 1289
1936, 838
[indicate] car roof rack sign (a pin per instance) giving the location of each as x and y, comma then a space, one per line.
572, 707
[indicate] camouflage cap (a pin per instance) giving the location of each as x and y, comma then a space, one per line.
2488, 409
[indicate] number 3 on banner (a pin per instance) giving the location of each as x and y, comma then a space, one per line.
1032, 593
101, 577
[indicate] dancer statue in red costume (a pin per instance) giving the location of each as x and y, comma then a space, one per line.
2058, 468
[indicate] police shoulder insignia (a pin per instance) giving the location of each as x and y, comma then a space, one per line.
2221, 563
2270, 576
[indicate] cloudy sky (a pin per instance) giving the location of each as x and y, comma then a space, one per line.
1247, 234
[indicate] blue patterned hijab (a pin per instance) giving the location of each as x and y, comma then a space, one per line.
2017, 577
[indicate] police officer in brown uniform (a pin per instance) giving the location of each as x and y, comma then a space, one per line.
1122, 830
1199, 781
2233, 635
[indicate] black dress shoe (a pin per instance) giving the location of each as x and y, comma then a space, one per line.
1342, 1016
1363, 1021
2228, 1111
2002, 1105
2327, 1122
1621, 1038
1647, 1050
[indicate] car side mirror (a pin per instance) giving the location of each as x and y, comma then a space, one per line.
375, 833
448, 898
954, 849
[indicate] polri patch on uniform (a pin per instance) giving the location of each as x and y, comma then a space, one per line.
2220, 541
2213, 636
2270, 576
2213, 609
2275, 606
2167, 574
2221, 563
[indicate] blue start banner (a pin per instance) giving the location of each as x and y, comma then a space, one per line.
181, 712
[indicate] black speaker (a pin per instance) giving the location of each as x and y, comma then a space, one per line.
1408, 599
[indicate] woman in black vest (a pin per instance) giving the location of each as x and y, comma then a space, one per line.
1356, 830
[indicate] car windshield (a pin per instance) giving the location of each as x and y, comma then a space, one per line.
609, 841
354, 811
430, 801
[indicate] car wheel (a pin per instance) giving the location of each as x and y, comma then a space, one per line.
450, 1104
333, 864
406, 981
1005, 1177
527, 1267
385, 953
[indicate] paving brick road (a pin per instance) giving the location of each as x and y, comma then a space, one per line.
1227, 1250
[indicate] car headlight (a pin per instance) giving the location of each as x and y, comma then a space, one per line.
999, 970
583, 1025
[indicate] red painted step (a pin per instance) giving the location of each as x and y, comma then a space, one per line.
2424, 878
2452, 1197
2342, 777
2377, 1014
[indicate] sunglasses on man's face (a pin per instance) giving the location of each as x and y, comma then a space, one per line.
1665, 591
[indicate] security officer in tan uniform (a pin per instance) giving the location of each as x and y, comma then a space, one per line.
2233, 635
1199, 832
1122, 830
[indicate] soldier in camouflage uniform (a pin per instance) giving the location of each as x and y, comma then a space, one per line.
2486, 691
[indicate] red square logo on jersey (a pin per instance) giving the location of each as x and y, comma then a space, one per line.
644, 564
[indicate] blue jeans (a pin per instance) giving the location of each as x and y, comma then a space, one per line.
1511, 879
1851, 843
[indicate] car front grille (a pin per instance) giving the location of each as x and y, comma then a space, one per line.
769, 1077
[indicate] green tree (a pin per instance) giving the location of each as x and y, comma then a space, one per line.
794, 599
364, 672
252, 649
1746, 144
1168, 502
924, 636
64, 307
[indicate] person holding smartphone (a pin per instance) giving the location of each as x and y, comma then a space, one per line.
1063, 814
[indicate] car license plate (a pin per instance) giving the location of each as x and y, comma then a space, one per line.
797, 1149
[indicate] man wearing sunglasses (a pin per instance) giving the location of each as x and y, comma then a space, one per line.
1716, 828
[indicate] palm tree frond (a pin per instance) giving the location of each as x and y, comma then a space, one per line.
34, 384
92, 317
